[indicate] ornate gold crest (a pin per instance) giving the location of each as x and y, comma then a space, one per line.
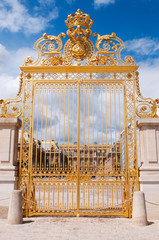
79, 47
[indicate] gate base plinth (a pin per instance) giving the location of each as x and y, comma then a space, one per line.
139, 214
15, 215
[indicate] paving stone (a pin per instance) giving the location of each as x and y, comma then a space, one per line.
51, 228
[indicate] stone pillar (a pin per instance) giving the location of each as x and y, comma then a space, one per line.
149, 170
15, 213
139, 215
9, 128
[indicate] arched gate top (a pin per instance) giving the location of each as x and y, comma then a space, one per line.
79, 49
80, 55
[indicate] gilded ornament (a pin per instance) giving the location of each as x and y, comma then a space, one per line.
29, 76
104, 38
28, 61
129, 75
78, 47
11, 107
146, 107
79, 24
129, 60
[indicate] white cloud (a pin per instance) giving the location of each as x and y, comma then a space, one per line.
9, 69
99, 3
143, 46
8, 86
149, 78
149, 67
3, 56
15, 17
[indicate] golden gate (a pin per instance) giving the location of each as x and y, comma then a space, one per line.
78, 138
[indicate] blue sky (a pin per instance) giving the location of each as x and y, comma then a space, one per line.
136, 22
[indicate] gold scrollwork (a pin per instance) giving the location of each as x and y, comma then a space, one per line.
145, 107
48, 49
53, 60
109, 48
11, 107
106, 42
49, 46
102, 60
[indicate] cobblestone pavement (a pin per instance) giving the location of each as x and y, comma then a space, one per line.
58, 228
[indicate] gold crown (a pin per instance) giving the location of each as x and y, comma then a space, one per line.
79, 19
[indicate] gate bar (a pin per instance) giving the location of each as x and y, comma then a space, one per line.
78, 148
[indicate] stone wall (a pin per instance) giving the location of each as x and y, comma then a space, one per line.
9, 128
149, 170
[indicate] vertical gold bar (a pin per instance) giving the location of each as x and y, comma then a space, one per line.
73, 142
102, 170
93, 195
117, 189
63, 185
50, 131
112, 194
49, 196
88, 163
97, 132
84, 195
44, 197
103, 200
78, 147
127, 195
107, 149
39, 196
31, 147
41, 129
126, 131
107, 194
59, 155
45, 165
68, 126
98, 186
111, 162
64, 129
121, 167
58, 195
53, 193
72, 184
37, 131
88, 194
55, 127
84, 114
93, 128
67, 195
115, 128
